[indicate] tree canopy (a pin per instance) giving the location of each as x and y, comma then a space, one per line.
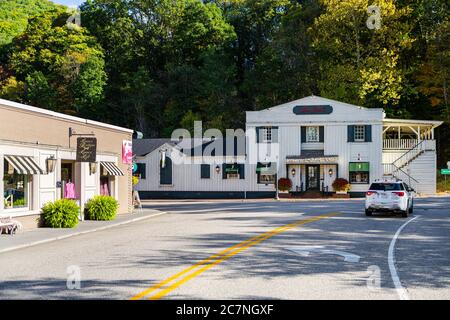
156, 65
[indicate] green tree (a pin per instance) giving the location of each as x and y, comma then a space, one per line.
162, 43
286, 68
359, 64
62, 68
14, 15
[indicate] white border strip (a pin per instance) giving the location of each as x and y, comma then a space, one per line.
401, 291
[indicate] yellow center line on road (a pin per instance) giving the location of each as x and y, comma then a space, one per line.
217, 258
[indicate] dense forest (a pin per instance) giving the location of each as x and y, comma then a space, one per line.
156, 65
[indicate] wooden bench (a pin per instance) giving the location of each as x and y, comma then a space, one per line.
9, 225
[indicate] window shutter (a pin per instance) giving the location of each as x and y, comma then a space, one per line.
241, 171
224, 167
165, 174
351, 133
142, 170
368, 133
275, 134
303, 133
321, 133
257, 134
205, 171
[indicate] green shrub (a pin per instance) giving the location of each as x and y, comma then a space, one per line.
62, 213
101, 208
442, 184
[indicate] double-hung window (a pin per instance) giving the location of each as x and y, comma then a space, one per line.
266, 134
312, 134
359, 133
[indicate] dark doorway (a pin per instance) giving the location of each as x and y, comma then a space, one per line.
312, 177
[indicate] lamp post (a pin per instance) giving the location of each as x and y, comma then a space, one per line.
277, 197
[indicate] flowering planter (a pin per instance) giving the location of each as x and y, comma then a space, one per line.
341, 195
284, 195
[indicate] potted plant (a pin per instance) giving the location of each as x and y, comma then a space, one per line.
341, 186
284, 185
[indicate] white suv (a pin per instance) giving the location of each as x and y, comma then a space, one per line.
389, 196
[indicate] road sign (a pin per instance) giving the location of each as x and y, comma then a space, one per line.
445, 171
448, 164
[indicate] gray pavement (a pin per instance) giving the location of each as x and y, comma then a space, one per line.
32, 237
121, 262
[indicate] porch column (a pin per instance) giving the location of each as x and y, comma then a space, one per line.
418, 134
398, 138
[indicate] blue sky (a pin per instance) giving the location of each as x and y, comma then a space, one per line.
69, 2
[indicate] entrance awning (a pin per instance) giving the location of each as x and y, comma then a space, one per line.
24, 165
312, 157
266, 168
111, 168
231, 169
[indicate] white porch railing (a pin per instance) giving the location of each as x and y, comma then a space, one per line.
399, 144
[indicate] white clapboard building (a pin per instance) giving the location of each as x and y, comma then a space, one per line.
312, 141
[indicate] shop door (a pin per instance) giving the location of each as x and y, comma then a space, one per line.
66, 175
312, 177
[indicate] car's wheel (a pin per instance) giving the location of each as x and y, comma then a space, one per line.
368, 212
411, 209
405, 213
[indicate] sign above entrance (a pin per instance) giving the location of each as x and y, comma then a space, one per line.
86, 149
313, 109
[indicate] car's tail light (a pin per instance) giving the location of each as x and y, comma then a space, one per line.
369, 193
399, 193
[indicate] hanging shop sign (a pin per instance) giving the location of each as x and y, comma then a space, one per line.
86, 149
127, 152
318, 109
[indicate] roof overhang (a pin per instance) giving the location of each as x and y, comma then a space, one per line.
312, 160
410, 122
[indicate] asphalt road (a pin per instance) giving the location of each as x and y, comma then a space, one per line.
245, 250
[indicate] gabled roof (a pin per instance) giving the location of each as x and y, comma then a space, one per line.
191, 147
314, 100
142, 147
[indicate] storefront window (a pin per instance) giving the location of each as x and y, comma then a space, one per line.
359, 172
15, 188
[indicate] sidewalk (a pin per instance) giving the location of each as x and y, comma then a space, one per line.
37, 236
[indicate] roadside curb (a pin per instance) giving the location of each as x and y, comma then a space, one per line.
35, 243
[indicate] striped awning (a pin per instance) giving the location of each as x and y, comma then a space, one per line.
24, 165
111, 168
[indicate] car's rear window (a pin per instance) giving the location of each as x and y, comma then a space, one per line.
386, 186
